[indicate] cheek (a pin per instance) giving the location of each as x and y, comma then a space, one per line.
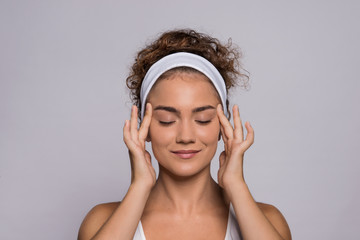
209, 134
160, 139
159, 135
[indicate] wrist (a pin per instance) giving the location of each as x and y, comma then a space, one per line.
233, 188
141, 187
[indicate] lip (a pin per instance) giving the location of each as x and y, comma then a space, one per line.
186, 154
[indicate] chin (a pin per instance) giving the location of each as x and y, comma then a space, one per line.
184, 170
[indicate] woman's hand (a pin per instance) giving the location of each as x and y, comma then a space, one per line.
231, 160
142, 171
250, 215
119, 221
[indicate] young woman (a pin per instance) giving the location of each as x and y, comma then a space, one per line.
179, 86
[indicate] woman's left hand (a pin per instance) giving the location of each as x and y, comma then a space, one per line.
231, 160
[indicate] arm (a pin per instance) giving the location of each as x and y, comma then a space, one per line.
120, 222
256, 221
107, 221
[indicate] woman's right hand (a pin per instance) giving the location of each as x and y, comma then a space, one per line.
142, 171
119, 221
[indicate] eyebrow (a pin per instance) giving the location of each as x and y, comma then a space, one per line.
174, 110
200, 109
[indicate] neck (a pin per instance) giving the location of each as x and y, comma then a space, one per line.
185, 195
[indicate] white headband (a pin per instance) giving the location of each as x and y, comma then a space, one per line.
182, 59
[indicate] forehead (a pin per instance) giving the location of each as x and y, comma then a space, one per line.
184, 88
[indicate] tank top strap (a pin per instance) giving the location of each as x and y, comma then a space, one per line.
139, 233
233, 229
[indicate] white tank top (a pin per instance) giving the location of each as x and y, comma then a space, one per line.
232, 229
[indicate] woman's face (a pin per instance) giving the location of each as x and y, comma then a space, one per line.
184, 129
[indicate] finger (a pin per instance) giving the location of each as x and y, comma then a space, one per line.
224, 138
249, 136
134, 124
222, 158
238, 128
228, 129
127, 135
144, 127
223, 134
126, 131
148, 157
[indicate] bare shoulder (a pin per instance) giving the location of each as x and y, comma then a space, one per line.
276, 219
95, 218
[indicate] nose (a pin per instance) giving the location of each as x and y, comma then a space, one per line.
186, 133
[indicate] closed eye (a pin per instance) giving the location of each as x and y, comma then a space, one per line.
166, 123
203, 122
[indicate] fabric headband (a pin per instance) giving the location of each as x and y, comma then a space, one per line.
182, 59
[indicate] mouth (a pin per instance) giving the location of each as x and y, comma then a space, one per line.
186, 154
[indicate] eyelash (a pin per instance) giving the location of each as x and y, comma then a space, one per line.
203, 122
166, 123
198, 121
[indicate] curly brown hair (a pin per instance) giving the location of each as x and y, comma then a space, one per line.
223, 56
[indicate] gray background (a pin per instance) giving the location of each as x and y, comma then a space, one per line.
63, 102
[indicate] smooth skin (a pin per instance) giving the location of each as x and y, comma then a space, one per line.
184, 112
